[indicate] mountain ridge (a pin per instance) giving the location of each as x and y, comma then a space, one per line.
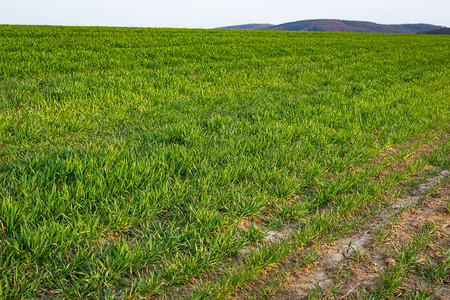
339, 25
442, 30
254, 26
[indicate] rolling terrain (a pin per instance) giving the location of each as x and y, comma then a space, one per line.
249, 26
339, 25
180, 163
443, 30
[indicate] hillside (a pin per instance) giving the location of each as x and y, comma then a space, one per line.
150, 163
340, 25
249, 26
444, 30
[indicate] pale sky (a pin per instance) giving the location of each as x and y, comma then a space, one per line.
215, 13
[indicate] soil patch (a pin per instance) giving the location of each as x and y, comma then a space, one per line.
353, 264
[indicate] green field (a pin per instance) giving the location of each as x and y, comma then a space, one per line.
130, 158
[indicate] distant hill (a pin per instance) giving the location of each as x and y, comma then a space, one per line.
340, 25
249, 26
444, 30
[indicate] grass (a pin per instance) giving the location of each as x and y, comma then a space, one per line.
406, 261
381, 235
128, 156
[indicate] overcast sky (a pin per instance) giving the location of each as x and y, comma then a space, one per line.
215, 13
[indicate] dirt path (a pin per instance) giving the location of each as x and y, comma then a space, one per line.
351, 266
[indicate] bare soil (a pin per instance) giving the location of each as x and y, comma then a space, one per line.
352, 264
